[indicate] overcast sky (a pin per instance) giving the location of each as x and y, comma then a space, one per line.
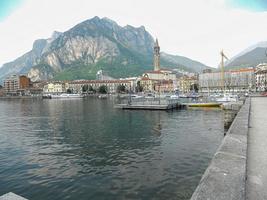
197, 29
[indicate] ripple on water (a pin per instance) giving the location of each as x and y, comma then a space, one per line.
87, 150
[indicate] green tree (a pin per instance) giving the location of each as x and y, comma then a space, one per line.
85, 88
91, 89
103, 89
69, 91
139, 87
121, 89
194, 87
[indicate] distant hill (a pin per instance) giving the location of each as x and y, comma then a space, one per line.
90, 46
250, 57
189, 64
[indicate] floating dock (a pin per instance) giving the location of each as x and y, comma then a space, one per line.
151, 105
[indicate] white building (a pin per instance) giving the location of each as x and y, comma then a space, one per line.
242, 80
261, 77
55, 87
112, 85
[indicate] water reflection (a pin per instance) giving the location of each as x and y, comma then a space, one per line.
85, 149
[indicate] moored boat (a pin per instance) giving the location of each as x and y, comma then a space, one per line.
206, 105
227, 98
66, 96
103, 96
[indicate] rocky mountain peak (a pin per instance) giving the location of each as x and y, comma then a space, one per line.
92, 45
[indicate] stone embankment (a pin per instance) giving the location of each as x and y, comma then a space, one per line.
225, 178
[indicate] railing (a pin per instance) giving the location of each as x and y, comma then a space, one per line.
149, 101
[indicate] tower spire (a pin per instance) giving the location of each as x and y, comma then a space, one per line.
156, 56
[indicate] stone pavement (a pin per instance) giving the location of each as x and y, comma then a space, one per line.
11, 196
256, 185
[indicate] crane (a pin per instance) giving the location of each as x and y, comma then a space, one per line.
223, 56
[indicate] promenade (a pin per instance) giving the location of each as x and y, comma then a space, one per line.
256, 185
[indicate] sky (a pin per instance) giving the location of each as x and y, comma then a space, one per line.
197, 29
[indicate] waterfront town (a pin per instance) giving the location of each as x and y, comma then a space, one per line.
94, 106
164, 80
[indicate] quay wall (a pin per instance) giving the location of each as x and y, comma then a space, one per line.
225, 177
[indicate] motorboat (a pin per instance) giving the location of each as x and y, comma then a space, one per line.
103, 96
205, 105
227, 98
150, 96
174, 97
133, 96
66, 96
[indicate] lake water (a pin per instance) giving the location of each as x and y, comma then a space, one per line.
85, 149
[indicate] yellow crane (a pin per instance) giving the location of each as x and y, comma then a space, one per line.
223, 56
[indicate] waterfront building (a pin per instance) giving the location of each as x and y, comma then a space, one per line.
242, 80
148, 84
112, 85
16, 85
55, 87
261, 77
152, 79
186, 84
11, 84
164, 86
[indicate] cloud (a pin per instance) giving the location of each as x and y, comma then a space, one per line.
196, 29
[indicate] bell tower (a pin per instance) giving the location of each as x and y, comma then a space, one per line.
156, 56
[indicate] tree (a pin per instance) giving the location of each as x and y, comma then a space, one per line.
139, 87
69, 91
194, 87
103, 89
85, 88
91, 89
121, 89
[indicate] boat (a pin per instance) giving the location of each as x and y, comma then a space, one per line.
206, 105
227, 98
183, 96
150, 96
174, 97
66, 96
133, 96
103, 96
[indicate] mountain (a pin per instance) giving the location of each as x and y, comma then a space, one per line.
90, 46
184, 62
250, 57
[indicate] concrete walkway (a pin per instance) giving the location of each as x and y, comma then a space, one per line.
256, 185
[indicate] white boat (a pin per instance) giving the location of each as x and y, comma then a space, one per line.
150, 96
103, 96
66, 96
227, 98
183, 96
136, 96
174, 97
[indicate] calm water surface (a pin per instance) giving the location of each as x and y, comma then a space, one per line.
86, 149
